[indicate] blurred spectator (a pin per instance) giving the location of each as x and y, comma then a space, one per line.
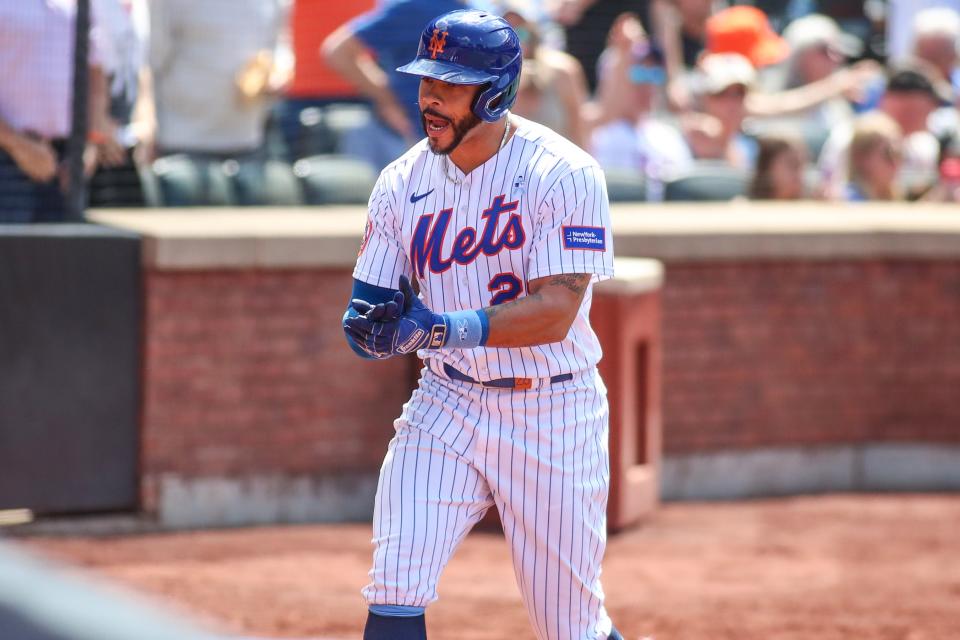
913, 92
936, 39
586, 24
947, 188
818, 49
213, 75
813, 48
721, 85
776, 11
367, 51
552, 85
121, 34
36, 63
311, 21
745, 30
875, 157
314, 83
901, 22
680, 29
629, 137
780, 169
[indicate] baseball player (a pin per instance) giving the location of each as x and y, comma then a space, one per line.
504, 226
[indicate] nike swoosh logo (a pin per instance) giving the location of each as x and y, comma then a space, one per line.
415, 198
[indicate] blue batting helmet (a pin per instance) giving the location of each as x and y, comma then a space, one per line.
472, 47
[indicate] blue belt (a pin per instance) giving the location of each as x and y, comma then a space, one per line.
502, 383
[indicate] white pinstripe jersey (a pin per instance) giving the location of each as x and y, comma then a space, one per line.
537, 208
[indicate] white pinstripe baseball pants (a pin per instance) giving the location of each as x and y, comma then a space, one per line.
540, 456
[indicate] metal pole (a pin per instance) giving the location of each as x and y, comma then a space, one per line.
76, 192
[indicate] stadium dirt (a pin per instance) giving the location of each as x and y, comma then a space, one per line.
825, 568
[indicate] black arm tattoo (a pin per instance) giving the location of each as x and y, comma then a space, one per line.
574, 282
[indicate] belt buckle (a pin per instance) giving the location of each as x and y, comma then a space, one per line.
523, 383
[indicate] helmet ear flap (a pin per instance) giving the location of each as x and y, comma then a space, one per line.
495, 98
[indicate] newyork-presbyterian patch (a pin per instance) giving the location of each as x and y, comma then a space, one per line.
590, 238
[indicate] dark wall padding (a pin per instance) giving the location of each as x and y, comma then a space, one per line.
69, 368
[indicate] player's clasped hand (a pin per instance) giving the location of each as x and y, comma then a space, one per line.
401, 326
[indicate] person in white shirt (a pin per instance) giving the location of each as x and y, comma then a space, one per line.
36, 64
202, 55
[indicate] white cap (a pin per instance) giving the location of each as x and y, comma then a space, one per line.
816, 29
937, 21
717, 71
523, 8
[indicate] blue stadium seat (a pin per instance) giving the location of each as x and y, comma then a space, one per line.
707, 181
270, 183
185, 182
333, 179
626, 186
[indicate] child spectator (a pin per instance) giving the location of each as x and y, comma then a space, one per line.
779, 172
875, 157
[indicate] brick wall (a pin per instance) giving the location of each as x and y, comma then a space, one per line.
247, 372
810, 353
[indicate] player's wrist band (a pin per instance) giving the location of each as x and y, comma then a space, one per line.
466, 329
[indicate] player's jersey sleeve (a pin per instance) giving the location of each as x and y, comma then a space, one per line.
573, 232
382, 260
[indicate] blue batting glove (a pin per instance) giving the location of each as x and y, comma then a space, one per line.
383, 312
366, 335
405, 325
418, 327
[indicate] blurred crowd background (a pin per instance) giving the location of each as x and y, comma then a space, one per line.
287, 102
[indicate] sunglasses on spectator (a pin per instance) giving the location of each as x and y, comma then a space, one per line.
640, 74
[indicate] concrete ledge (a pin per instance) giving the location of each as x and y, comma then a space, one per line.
243, 238
730, 475
634, 276
263, 499
330, 236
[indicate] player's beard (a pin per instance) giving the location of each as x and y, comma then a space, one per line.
459, 127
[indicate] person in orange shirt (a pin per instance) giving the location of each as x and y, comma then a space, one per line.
314, 83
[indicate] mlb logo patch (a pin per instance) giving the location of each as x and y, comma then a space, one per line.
589, 238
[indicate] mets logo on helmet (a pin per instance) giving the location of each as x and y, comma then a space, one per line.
437, 43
